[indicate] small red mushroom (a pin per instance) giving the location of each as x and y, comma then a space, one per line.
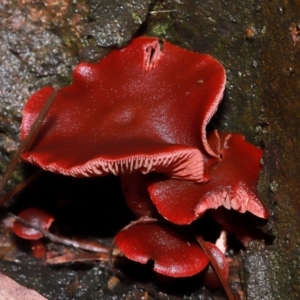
38, 219
142, 108
35, 217
232, 185
173, 253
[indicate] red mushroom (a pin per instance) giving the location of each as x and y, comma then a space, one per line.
37, 218
33, 224
210, 278
242, 226
132, 111
135, 185
173, 253
233, 184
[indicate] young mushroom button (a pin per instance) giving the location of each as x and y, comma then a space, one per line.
36, 218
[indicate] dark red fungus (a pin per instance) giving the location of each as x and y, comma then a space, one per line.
38, 219
38, 248
242, 226
142, 108
210, 278
233, 184
35, 217
136, 195
170, 249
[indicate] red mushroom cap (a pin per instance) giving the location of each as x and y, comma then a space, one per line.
211, 279
233, 185
172, 253
142, 108
35, 217
241, 226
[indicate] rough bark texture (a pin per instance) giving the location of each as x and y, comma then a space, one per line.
258, 42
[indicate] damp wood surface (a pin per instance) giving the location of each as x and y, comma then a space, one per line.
258, 44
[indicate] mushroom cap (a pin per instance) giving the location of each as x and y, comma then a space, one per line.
232, 185
244, 227
210, 277
35, 217
173, 254
142, 108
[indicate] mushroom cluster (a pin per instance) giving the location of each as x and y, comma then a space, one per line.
141, 113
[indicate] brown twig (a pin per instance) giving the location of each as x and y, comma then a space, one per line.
27, 142
77, 257
216, 267
77, 244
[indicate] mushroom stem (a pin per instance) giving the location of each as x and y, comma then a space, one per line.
78, 244
215, 266
38, 248
27, 142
